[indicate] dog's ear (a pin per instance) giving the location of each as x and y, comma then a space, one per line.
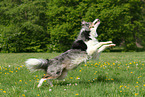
83, 22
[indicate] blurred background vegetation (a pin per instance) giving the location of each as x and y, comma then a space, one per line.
52, 25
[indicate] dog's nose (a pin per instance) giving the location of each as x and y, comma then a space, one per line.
96, 20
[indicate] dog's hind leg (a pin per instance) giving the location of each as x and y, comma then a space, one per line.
50, 82
63, 74
46, 77
40, 82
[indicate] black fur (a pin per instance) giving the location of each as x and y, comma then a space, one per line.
79, 44
85, 31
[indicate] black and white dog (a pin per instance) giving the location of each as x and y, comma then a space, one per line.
88, 34
85, 46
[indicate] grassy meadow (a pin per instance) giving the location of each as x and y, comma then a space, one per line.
113, 75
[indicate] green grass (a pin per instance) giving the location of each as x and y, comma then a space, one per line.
113, 75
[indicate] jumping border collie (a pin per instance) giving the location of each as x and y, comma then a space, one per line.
58, 67
88, 34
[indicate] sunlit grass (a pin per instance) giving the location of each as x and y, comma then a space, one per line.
113, 75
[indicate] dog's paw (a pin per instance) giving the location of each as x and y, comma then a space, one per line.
38, 85
110, 42
111, 45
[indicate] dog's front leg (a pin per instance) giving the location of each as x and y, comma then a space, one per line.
104, 47
93, 48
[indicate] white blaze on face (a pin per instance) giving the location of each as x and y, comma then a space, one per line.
93, 32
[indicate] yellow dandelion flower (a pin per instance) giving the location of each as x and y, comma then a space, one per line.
18, 68
77, 77
136, 94
121, 91
85, 65
23, 95
136, 86
16, 71
131, 72
77, 94
11, 71
1, 89
142, 64
4, 91
25, 82
137, 82
121, 86
20, 80
44, 74
144, 85
29, 80
38, 95
36, 75
71, 77
80, 70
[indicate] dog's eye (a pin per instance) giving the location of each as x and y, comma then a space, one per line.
87, 24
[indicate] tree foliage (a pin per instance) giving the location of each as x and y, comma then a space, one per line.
52, 25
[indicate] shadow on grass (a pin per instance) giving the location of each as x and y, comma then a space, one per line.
99, 79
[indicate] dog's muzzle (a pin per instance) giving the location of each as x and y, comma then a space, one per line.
94, 23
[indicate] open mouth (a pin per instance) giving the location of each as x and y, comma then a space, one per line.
96, 21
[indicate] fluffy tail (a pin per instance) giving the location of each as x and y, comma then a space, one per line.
36, 64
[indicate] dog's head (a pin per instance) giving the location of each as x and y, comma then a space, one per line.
94, 27
95, 24
90, 25
88, 30
86, 24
